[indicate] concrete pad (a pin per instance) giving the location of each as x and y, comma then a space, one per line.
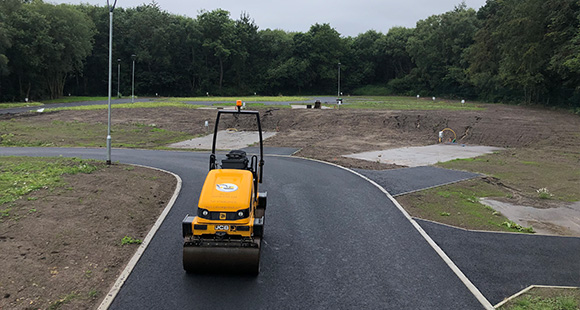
564, 220
226, 140
424, 155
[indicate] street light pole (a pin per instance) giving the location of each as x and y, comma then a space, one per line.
111, 8
338, 93
133, 80
118, 77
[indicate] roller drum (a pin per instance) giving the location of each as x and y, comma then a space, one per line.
241, 260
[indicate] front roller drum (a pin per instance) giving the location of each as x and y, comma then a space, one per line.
241, 260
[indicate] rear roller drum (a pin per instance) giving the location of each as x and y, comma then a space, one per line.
221, 260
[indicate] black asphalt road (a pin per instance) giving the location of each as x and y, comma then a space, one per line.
271, 150
332, 241
407, 180
502, 264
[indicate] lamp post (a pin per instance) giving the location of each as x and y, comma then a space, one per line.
111, 8
133, 80
338, 93
118, 77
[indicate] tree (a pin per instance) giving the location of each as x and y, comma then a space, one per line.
245, 46
438, 47
50, 42
217, 29
365, 59
70, 32
394, 48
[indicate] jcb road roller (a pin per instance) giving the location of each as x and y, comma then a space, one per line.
225, 236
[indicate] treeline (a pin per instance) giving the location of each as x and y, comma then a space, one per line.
510, 50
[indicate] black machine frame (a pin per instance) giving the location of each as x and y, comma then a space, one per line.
258, 171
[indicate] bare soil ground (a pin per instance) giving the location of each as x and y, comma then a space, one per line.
328, 134
68, 257
62, 249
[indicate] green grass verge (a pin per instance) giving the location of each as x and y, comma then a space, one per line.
25, 133
458, 205
22, 175
153, 104
406, 103
233, 100
76, 99
538, 173
9, 105
545, 299
544, 173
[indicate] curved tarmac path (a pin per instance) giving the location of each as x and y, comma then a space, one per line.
332, 240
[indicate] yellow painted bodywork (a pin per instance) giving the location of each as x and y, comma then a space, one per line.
216, 196
226, 190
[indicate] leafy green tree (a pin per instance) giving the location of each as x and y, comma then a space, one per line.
49, 43
394, 47
438, 47
275, 47
245, 46
524, 49
71, 42
5, 43
217, 30
365, 59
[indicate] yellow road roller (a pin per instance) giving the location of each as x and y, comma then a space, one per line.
225, 236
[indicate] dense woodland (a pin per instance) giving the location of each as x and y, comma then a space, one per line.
521, 51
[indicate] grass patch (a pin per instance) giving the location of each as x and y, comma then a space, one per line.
406, 103
545, 299
64, 300
152, 104
76, 99
538, 172
458, 205
233, 100
27, 132
22, 175
130, 240
9, 105
92, 294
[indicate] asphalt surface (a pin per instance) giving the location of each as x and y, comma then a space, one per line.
331, 240
407, 180
502, 264
271, 150
335, 241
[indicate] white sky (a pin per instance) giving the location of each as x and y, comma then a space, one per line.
348, 17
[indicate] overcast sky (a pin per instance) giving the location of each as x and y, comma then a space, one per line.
348, 17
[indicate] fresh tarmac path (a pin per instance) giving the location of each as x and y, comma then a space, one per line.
408, 180
502, 264
332, 240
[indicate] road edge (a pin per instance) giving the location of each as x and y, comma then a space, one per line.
141, 249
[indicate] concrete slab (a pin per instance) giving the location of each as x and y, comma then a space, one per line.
226, 140
425, 155
564, 220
